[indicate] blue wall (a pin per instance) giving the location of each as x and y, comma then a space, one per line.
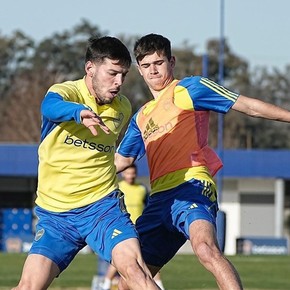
22, 160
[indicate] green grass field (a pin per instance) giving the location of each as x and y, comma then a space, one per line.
183, 273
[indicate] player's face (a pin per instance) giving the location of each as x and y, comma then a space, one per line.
129, 175
157, 71
105, 79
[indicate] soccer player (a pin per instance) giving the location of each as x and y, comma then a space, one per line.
173, 131
135, 193
135, 197
78, 201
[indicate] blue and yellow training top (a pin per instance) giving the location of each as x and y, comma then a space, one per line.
173, 132
75, 167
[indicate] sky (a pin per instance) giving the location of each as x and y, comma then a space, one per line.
256, 30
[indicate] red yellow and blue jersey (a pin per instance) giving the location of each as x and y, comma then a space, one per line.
173, 132
75, 167
135, 196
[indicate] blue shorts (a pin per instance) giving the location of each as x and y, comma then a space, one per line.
101, 225
164, 225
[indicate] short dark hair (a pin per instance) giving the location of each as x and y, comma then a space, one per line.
133, 166
150, 44
100, 48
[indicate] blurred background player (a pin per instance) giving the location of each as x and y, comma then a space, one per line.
135, 199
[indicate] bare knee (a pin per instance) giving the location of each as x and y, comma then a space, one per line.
207, 253
135, 272
137, 277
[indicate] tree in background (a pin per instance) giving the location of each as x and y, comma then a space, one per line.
28, 69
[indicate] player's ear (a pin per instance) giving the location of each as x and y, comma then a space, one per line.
89, 68
172, 61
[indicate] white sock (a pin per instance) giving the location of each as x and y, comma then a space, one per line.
159, 284
106, 283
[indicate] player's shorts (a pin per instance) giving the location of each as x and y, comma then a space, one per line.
164, 224
101, 225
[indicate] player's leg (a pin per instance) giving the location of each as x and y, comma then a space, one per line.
123, 286
199, 219
194, 214
115, 239
38, 273
126, 257
204, 244
52, 250
155, 229
158, 280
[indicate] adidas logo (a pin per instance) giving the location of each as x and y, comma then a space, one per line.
115, 233
194, 205
151, 127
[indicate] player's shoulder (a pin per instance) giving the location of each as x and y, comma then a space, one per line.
190, 81
142, 186
145, 109
196, 84
121, 182
67, 86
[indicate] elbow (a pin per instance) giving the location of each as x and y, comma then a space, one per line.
122, 162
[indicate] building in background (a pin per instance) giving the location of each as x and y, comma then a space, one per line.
255, 198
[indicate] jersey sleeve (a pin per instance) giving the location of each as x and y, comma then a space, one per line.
132, 144
208, 95
55, 108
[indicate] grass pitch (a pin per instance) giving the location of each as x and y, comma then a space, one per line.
182, 273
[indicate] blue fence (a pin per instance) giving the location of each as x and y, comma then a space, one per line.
16, 229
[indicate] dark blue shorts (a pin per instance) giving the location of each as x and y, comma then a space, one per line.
164, 225
101, 225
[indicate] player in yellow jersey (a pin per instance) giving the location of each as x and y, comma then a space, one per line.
135, 193
172, 130
135, 196
78, 201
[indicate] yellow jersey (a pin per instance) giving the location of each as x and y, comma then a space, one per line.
75, 167
135, 198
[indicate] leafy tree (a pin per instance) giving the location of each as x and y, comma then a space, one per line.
28, 69
271, 86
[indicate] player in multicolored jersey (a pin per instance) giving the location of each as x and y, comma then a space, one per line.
173, 131
78, 200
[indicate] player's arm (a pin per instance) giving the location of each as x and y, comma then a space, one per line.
207, 95
123, 162
259, 109
131, 146
55, 108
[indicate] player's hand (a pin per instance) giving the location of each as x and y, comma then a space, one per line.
91, 119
